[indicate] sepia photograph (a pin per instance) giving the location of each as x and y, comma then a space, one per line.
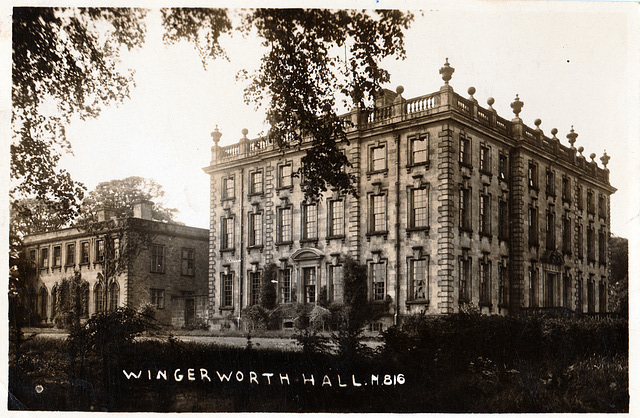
350, 207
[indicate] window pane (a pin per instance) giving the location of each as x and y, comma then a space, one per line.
310, 222
285, 224
285, 286
419, 150
285, 175
378, 221
309, 277
418, 276
227, 289
337, 220
419, 200
379, 273
378, 158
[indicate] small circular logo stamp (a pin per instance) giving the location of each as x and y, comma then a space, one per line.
39, 388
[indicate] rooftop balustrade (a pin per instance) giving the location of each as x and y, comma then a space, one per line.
445, 100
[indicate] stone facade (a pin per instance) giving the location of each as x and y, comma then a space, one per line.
455, 206
166, 267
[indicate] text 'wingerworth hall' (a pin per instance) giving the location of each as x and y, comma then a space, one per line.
455, 205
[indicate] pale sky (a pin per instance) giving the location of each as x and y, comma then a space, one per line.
571, 63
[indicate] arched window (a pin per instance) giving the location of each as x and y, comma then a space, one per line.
98, 297
114, 295
84, 299
54, 301
33, 301
43, 303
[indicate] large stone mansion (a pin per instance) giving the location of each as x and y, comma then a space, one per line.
121, 262
456, 205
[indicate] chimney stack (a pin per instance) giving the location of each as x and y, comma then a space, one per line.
105, 213
142, 209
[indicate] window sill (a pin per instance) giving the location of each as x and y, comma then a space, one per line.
417, 302
255, 247
377, 234
309, 241
467, 165
567, 201
502, 178
228, 199
336, 237
533, 188
425, 164
282, 188
418, 229
486, 173
465, 230
485, 234
259, 194
284, 243
227, 250
372, 172
226, 308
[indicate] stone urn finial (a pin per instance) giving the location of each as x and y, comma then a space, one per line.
216, 135
537, 122
517, 105
593, 157
554, 131
472, 90
490, 102
245, 131
580, 149
446, 71
399, 91
572, 136
605, 159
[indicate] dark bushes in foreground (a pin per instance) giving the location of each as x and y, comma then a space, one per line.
515, 364
460, 363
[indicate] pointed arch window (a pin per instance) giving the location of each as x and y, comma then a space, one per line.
98, 297
114, 296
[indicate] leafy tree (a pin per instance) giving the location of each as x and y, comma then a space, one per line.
358, 310
64, 65
619, 274
268, 294
120, 195
67, 59
109, 335
72, 301
301, 72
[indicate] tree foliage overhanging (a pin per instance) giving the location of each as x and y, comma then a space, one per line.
65, 64
302, 71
